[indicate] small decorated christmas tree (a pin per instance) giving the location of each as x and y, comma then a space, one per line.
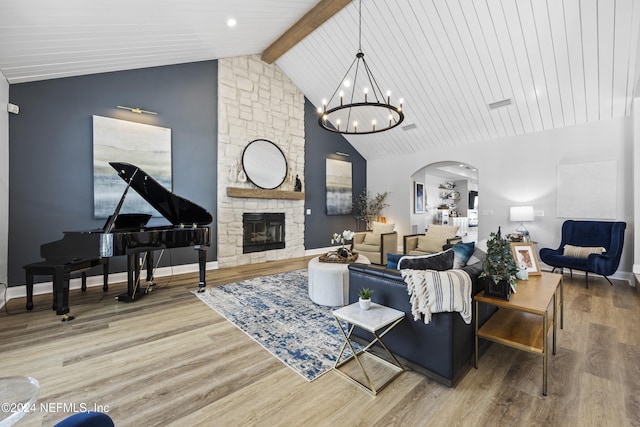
499, 264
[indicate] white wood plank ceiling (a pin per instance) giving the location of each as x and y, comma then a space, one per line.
561, 62
44, 39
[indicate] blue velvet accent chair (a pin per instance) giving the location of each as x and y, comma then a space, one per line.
588, 234
87, 419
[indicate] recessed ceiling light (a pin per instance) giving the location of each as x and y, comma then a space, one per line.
231, 22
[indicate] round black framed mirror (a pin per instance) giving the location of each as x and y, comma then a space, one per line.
264, 163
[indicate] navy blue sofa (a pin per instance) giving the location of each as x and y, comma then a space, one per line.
587, 234
442, 349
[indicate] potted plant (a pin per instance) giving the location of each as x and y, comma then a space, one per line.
365, 298
345, 237
498, 269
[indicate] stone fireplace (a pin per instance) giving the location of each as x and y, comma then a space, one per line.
257, 100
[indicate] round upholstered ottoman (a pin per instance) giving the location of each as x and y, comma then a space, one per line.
329, 281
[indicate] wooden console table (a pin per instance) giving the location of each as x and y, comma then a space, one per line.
524, 322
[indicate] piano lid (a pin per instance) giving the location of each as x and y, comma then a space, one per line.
178, 210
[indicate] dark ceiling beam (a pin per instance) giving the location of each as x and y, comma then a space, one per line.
317, 16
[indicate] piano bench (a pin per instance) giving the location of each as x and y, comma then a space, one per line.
61, 271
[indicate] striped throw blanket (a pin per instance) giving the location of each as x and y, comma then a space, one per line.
438, 291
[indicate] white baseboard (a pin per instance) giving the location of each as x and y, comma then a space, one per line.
76, 283
618, 275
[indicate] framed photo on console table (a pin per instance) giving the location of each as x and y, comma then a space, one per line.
526, 252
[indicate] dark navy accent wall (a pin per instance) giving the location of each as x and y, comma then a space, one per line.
51, 158
319, 146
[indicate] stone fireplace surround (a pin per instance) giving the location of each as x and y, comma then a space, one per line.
257, 100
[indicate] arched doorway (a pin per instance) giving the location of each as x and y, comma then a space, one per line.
451, 197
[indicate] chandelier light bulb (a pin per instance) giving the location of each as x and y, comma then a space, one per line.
347, 83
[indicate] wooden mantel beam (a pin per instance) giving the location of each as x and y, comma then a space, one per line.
317, 16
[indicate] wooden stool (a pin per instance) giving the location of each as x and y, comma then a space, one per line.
61, 271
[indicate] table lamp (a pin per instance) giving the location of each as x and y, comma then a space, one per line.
521, 214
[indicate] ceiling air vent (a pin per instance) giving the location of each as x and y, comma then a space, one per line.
499, 104
409, 127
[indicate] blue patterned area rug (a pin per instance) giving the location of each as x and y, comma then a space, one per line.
277, 313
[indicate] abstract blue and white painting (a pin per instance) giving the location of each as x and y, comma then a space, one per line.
339, 187
142, 145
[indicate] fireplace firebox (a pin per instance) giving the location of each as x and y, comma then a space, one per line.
262, 232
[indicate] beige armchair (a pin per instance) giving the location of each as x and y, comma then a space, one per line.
376, 243
436, 239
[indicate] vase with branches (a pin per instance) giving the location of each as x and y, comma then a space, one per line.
368, 207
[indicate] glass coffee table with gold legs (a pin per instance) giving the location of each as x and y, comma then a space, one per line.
376, 318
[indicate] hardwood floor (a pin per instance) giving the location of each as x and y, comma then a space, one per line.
168, 359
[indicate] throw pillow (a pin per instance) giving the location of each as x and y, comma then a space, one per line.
372, 238
431, 244
479, 253
446, 231
392, 260
462, 252
582, 251
440, 261
381, 228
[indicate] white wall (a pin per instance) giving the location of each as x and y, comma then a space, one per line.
4, 177
521, 170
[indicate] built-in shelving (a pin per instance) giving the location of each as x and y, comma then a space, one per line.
260, 193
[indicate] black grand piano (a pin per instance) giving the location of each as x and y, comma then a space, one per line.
125, 234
